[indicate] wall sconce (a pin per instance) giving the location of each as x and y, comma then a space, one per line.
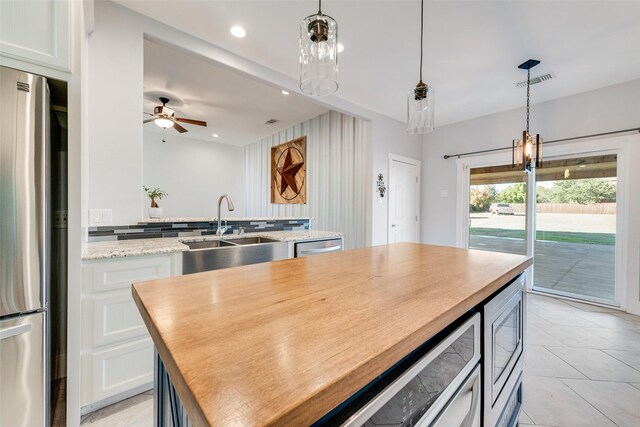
380, 186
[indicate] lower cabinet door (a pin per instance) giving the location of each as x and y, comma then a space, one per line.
118, 369
114, 318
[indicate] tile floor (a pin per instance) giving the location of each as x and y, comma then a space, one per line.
582, 365
582, 368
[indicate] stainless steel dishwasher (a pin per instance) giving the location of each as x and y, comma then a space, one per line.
318, 247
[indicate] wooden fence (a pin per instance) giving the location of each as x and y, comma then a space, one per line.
570, 208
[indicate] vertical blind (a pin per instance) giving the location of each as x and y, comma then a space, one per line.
335, 164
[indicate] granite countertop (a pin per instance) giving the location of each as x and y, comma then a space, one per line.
138, 247
226, 218
291, 340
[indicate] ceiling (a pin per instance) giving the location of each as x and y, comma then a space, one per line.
234, 105
472, 48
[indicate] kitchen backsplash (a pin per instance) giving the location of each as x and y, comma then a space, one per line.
154, 229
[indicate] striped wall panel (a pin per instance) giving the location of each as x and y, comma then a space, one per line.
336, 162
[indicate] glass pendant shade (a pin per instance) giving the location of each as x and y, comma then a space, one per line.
163, 123
319, 55
420, 105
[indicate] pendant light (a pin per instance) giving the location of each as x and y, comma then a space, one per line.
319, 54
420, 100
526, 153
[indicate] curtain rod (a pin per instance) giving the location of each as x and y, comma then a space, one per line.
469, 153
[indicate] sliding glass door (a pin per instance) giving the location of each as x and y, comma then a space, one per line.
573, 226
497, 209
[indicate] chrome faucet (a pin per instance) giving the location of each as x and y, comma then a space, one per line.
220, 230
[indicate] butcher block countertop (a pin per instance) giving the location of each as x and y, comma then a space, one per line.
283, 343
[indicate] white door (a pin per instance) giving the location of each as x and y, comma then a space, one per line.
404, 190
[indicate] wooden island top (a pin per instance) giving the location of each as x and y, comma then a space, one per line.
283, 343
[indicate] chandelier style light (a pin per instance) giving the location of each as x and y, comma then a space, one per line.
420, 101
319, 54
526, 153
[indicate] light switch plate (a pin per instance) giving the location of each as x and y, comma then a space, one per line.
444, 193
100, 217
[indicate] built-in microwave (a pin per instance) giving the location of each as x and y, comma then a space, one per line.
503, 328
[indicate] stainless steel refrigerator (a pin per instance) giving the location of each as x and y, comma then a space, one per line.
24, 249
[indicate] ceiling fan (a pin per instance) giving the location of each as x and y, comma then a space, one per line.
165, 118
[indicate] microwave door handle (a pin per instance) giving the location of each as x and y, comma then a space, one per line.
475, 403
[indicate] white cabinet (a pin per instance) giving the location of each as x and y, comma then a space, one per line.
117, 352
114, 370
36, 31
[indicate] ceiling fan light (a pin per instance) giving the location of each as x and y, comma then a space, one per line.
163, 123
319, 55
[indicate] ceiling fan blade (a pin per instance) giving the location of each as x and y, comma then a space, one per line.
179, 128
150, 114
191, 121
147, 121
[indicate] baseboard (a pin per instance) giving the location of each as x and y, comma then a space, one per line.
115, 399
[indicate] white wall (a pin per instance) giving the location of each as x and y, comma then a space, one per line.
115, 72
388, 137
607, 109
194, 173
337, 147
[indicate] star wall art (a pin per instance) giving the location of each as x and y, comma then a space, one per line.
289, 172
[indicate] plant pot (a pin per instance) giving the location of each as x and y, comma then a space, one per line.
155, 212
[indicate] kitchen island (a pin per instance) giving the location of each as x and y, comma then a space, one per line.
285, 343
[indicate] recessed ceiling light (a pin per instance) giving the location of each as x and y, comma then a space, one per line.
238, 32
215, 135
284, 92
340, 47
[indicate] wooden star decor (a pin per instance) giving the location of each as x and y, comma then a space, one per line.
289, 172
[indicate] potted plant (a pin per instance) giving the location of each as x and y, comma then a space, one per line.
154, 194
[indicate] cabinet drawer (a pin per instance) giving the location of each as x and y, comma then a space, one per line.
116, 370
110, 274
114, 318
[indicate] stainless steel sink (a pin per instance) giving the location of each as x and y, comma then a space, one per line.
207, 244
250, 240
217, 254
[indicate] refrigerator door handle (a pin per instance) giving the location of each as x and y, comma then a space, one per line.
15, 330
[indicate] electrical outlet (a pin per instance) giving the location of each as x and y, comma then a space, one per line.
107, 217
100, 217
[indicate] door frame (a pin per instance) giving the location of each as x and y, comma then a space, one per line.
627, 283
418, 165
